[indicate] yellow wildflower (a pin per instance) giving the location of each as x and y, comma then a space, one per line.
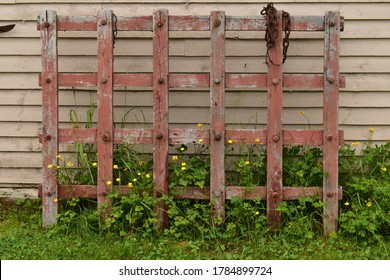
109, 183
115, 166
257, 140
55, 199
384, 169
175, 158
85, 154
147, 176
200, 125
58, 156
302, 113
200, 141
142, 162
94, 164
230, 141
50, 166
257, 213
139, 173
134, 180
355, 144
118, 179
369, 204
182, 149
69, 164
247, 163
130, 185
58, 166
372, 129
346, 203
183, 168
183, 164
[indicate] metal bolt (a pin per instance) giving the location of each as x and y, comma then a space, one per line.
275, 195
275, 138
106, 137
48, 80
159, 23
46, 24
329, 137
48, 137
159, 136
160, 81
329, 194
218, 136
275, 81
104, 81
218, 194
332, 23
49, 193
217, 22
216, 81
331, 79
103, 21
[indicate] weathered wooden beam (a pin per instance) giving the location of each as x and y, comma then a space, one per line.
217, 120
160, 112
48, 21
274, 131
331, 120
105, 129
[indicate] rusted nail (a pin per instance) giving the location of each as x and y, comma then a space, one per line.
217, 136
332, 23
331, 79
104, 81
160, 81
46, 24
217, 22
106, 137
329, 194
275, 195
329, 137
275, 81
159, 135
218, 194
48, 137
275, 138
159, 23
49, 193
216, 81
103, 21
48, 80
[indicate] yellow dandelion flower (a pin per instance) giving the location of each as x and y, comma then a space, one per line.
115, 166
139, 173
108, 183
147, 176
130, 185
94, 164
175, 158
257, 213
257, 140
346, 203
142, 162
118, 179
58, 156
183, 168
372, 129
302, 113
182, 149
200, 141
183, 164
55, 199
230, 141
384, 169
69, 164
134, 180
200, 125
50, 166
355, 144
369, 204
85, 154
247, 163
58, 166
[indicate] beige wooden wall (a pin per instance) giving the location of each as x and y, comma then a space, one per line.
365, 61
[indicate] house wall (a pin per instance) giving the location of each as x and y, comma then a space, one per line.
365, 60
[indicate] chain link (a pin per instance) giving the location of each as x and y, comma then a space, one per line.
115, 29
271, 32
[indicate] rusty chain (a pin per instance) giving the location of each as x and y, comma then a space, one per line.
115, 29
271, 32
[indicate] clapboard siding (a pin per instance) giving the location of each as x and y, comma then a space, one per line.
365, 60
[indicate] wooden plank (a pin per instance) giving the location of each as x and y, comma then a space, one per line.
76, 23
105, 108
274, 131
49, 57
331, 120
189, 23
135, 23
160, 111
217, 120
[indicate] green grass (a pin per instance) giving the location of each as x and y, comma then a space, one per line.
22, 237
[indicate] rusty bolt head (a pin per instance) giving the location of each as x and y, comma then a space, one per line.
46, 24
331, 79
278, 174
160, 81
103, 22
275, 138
332, 23
217, 81
217, 22
106, 137
104, 81
48, 80
275, 81
159, 23
275, 195
329, 194
218, 194
218, 136
49, 193
329, 137
159, 135
48, 137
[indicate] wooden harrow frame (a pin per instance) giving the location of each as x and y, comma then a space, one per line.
161, 135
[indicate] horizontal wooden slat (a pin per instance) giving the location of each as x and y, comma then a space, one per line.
232, 192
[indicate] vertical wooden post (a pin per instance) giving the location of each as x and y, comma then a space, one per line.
217, 98
48, 27
105, 107
331, 119
160, 111
274, 131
